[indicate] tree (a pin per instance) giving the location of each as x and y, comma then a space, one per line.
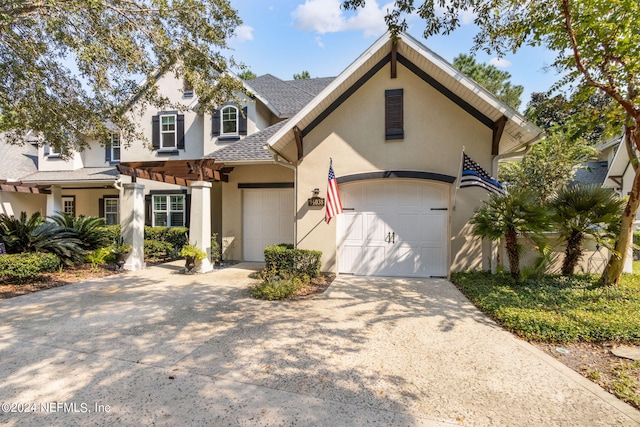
491, 78
517, 213
71, 67
303, 75
548, 167
584, 210
575, 119
247, 75
597, 45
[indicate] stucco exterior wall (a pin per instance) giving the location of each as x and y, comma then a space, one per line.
14, 203
87, 201
435, 132
232, 202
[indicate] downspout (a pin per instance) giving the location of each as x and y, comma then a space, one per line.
279, 160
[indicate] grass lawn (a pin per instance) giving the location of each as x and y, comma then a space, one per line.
555, 312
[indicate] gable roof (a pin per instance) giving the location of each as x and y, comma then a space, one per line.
285, 98
591, 173
17, 161
432, 68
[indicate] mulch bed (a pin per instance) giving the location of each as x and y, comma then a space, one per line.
316, 287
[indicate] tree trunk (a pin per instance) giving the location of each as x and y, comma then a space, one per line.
511, 240
613, 270
572, 253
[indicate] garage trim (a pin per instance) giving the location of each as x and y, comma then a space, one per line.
430, 176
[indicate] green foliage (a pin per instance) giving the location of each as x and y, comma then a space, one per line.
98, 257
112, 232
112, 44
34, 235
556, 308
303, 75
215, 248
155, 249
176, 236
247, 75
636, 245
283, 258
90, 230
193, 251
549, 166
491, 78
119, 246
275, 287
585, 211
26, 266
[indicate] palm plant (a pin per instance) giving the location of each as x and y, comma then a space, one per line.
585, 210
90, 230
15, 232
517, 213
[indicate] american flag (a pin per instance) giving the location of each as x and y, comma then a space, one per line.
334, 204
473, 175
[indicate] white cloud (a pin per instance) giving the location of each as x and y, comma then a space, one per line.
319, 42
326, 16
500, 63
244, 33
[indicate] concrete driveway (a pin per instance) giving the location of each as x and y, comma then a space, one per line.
160, 348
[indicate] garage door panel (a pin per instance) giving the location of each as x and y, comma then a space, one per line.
266, 220
401, 209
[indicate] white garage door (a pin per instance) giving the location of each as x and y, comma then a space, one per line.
267, 218
394, 228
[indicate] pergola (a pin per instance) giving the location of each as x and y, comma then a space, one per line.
23, 187
196, 174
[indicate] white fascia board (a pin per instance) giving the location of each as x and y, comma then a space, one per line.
331, 87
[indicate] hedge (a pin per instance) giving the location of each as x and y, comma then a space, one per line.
176, 236
636, 245
26, 266
283, 258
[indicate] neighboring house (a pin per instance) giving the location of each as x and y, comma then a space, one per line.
395, 123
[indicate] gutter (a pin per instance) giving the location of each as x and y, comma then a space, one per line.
278, 159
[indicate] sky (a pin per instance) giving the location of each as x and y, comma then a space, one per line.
286, 37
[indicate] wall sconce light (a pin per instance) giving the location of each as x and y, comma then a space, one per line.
316, 200
316, 192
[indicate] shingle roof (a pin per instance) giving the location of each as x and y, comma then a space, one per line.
288, 97
17, 161
82, 174
249, 148
591, 173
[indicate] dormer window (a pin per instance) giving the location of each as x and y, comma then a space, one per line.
51, 151
229, 121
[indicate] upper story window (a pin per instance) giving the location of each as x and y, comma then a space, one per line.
187, 88
114, 146
51, 151
167, 131
229, 123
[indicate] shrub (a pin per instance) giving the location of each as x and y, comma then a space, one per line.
178, 237
98, 256
277, 288
636, 245
90, 230
27, 266
193, 251
15, 232
215, 248
112, 232
157, 249
283, 258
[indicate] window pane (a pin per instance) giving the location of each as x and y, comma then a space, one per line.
115, 153
160, 219
159, 203
115, 140
177, 203
177, 219
111, 205
229, 120
111, 219
169, 139
168, 123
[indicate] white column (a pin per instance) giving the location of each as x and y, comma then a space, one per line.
54, 200
200, 226
132, 223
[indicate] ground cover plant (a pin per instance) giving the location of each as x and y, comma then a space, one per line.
575, 319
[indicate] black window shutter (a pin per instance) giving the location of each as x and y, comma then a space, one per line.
215, 123
242, 122
187, 210
393, 117
147, 210
107, 152
155, 132
180, 130
101, 208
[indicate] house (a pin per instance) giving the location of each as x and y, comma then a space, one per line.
394, 123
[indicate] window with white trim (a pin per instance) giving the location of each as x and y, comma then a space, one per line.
229, 117
168, 210
168, 134
111, 210
115, 147
69, 205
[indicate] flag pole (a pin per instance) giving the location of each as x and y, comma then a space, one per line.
455, 191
